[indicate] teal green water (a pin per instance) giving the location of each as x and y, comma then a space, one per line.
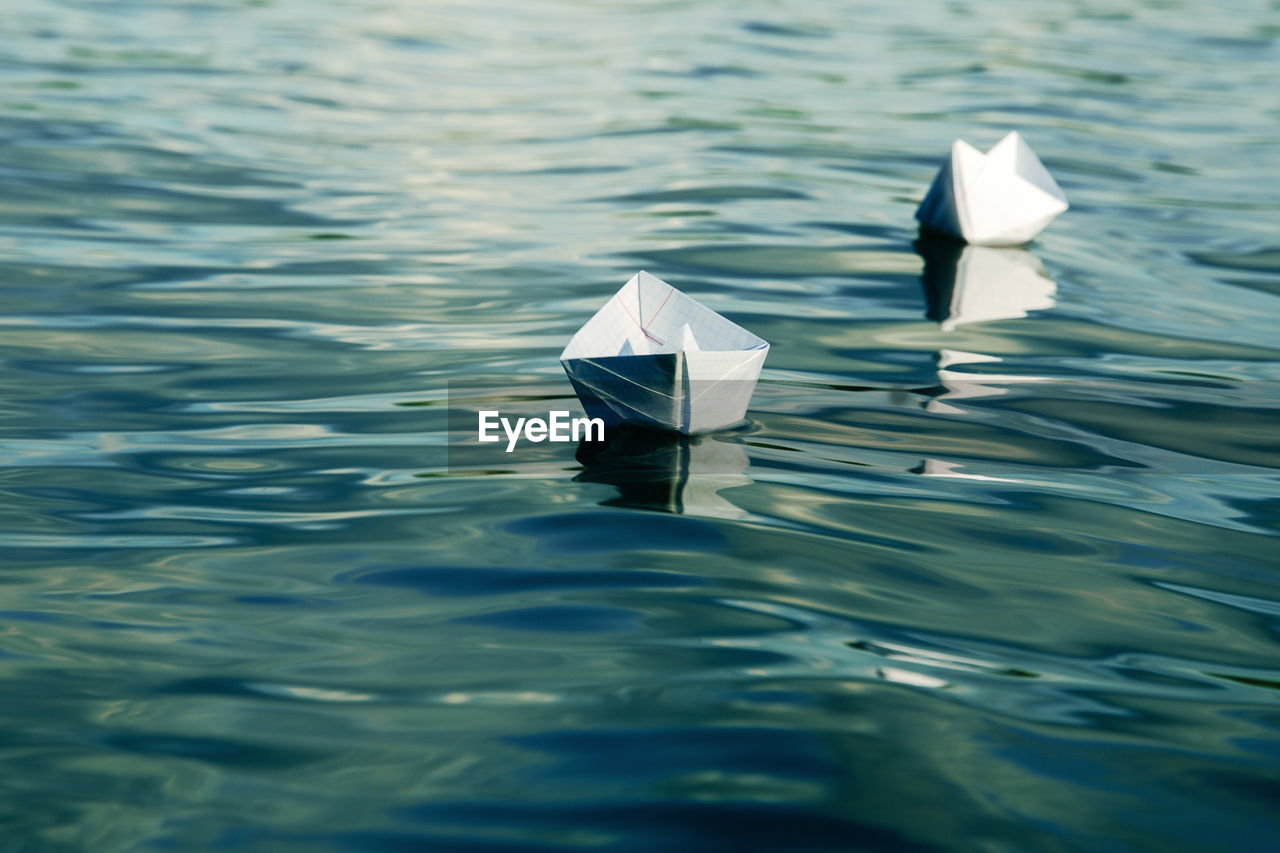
993, 566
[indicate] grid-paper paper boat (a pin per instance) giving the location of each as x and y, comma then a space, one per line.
1002, 198
655, 357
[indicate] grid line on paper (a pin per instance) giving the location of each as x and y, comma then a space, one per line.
637, 322
663, 305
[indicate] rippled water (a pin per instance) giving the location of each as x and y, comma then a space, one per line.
992, 567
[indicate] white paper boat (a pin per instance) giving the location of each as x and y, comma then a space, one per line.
1002, 198
654, 357
976, 284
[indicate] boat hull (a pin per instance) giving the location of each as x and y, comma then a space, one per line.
686, 392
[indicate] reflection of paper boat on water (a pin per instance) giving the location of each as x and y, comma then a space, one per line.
654, 357
969, 385
974, 284
1001, 198
666, 472
955, 470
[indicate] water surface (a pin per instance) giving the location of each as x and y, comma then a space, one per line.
991, 567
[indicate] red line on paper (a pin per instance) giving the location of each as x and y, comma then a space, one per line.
663, 305
637, 322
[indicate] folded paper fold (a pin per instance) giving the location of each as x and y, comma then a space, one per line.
1002, 198
654, 357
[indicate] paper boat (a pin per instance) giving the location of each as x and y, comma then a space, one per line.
1002, 198
976, 284
656, 358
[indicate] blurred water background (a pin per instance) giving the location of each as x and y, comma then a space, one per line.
993, 566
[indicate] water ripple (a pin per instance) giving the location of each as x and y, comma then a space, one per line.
992, 564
